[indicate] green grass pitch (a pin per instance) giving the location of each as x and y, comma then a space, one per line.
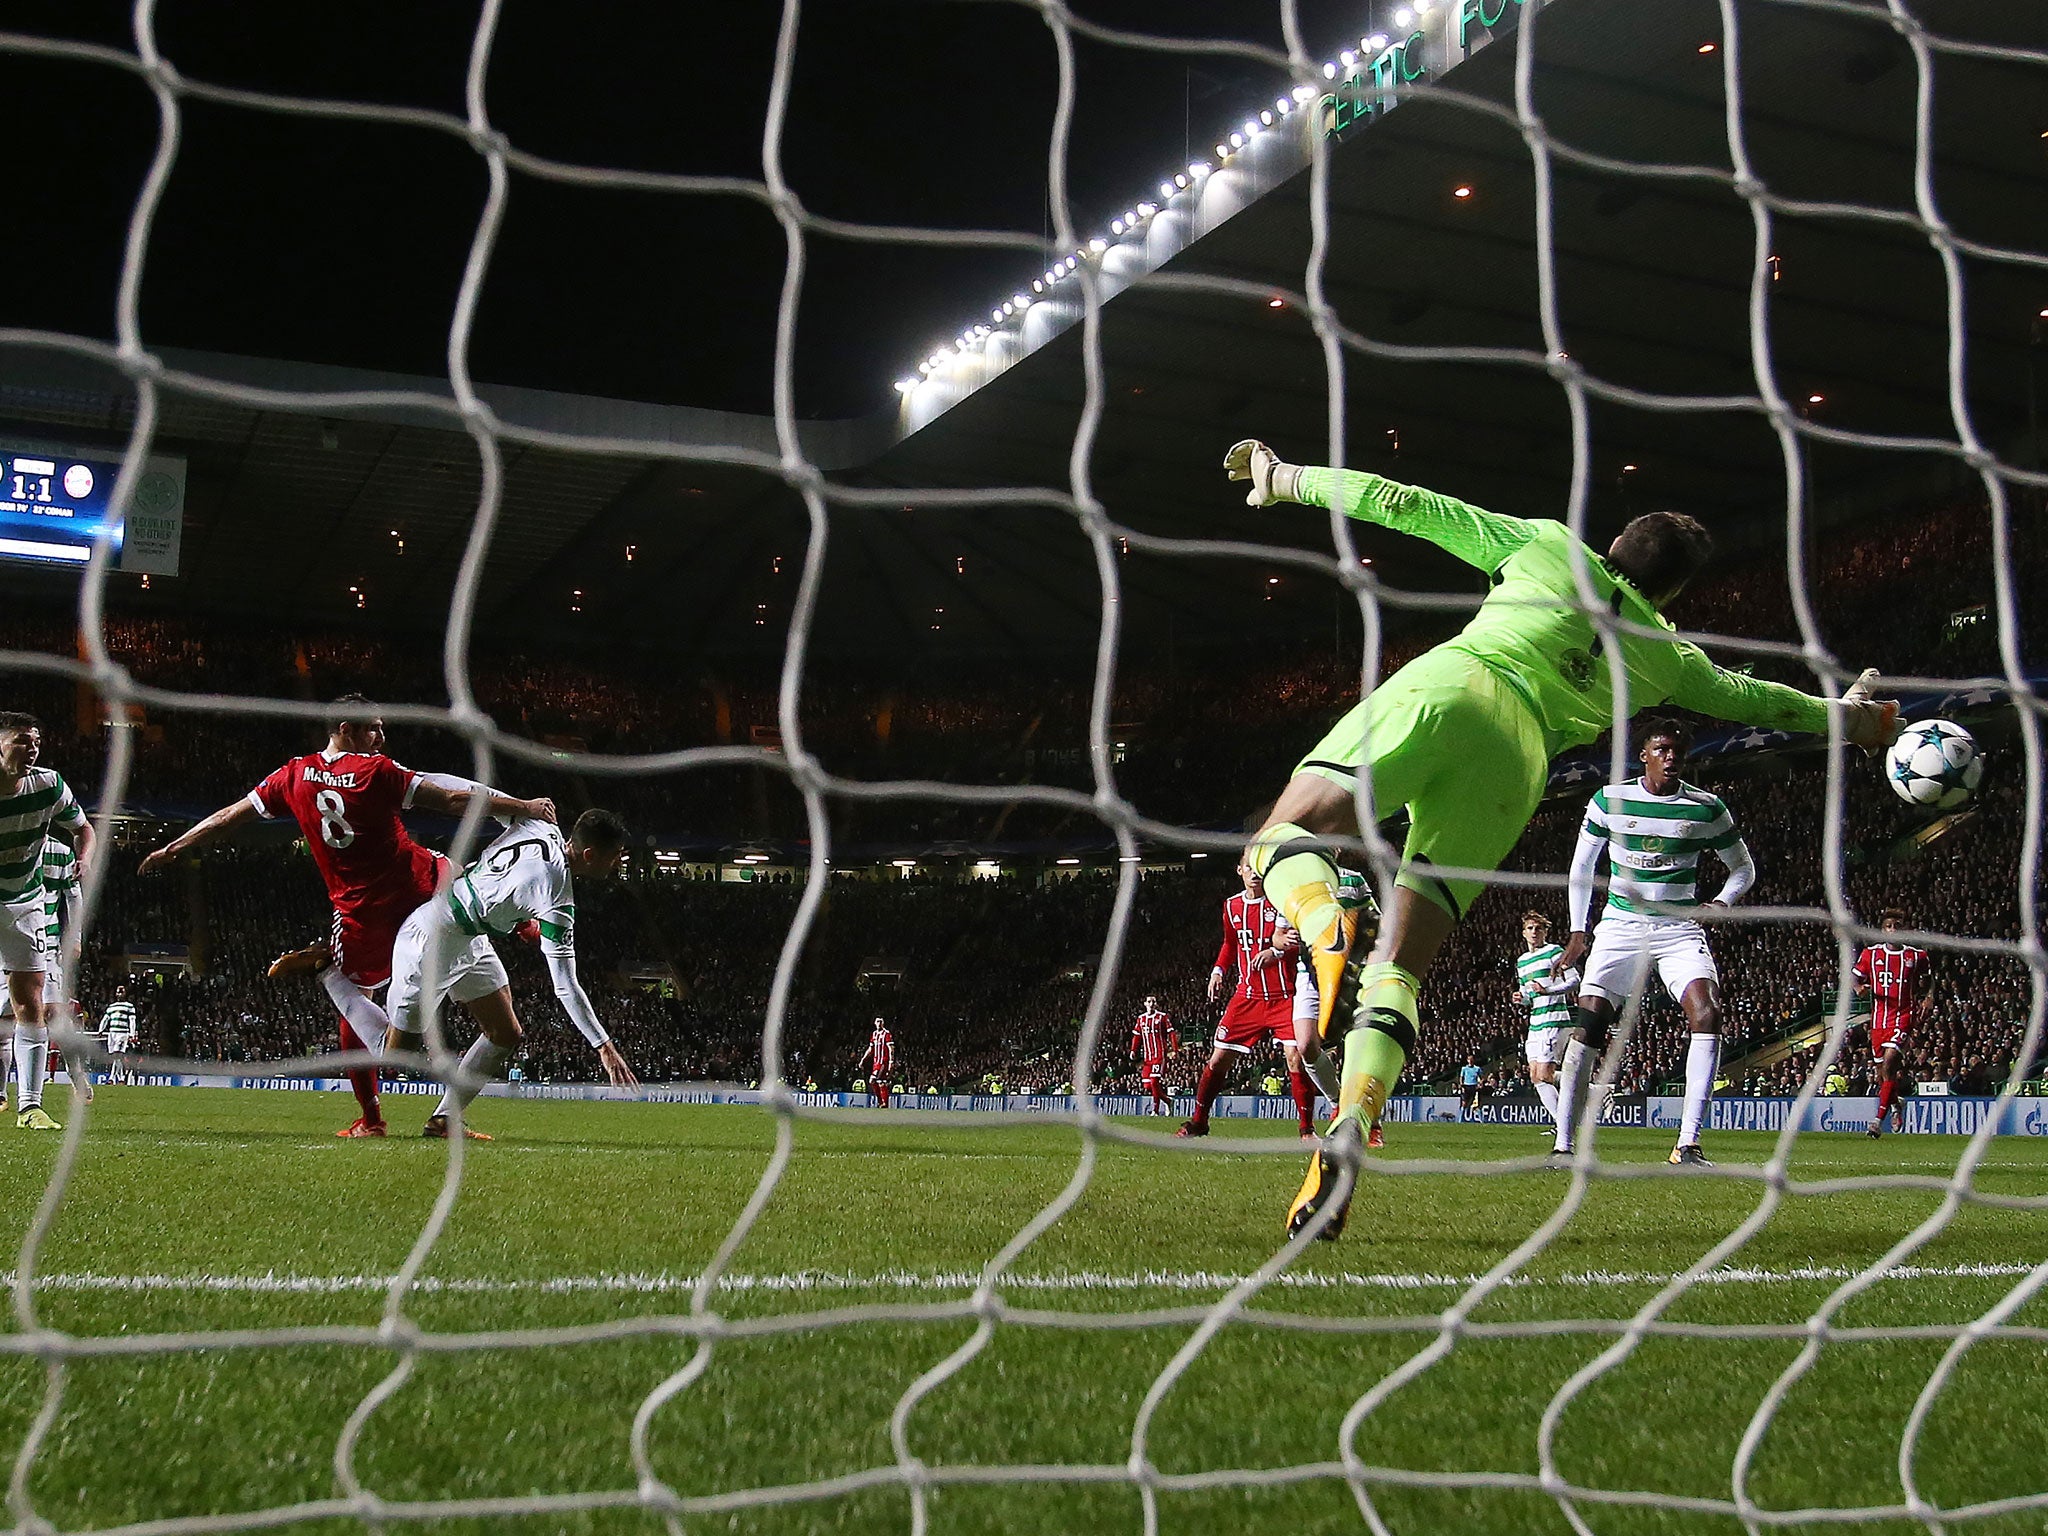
208, 1210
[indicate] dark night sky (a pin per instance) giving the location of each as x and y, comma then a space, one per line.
343, 243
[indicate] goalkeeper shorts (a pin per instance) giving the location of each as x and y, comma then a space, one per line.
1449, 739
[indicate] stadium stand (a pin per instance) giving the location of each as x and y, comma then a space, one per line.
996, 985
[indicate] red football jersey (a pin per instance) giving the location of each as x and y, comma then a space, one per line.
1248, 927
348, 806
881, 1049
1150, 1037
1894, 973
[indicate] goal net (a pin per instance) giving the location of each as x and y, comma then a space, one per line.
1806, 292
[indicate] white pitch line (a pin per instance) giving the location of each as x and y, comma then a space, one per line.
966, 1280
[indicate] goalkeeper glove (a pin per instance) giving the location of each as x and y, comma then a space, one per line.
1867, 721
1271, 479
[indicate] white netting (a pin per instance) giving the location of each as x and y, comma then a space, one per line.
989, 1306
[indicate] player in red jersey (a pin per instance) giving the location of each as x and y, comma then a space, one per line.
1256, 944
881, 1052
1895, 977
347, 799
1152, 1037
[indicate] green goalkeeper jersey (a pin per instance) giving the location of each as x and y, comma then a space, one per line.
1531, 632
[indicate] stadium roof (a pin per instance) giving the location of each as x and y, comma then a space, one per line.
288, 511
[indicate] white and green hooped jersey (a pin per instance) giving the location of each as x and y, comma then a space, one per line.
1653, 845
60, 879
1547, 1010
40, 800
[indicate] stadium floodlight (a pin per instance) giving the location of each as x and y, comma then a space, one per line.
1166, 188
1098, 245
1347, 58
1329, 71
1116, 226
1304, 94
1237, 141
1377, 43
1404, 17
1181, 179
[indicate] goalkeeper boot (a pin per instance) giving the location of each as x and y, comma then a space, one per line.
309, 961
1375, 1137
1689, 1156
436, 1129
359, 1128
1332, 1174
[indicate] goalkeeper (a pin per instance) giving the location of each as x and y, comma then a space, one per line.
1463, 737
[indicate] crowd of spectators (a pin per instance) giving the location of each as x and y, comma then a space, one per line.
995, 977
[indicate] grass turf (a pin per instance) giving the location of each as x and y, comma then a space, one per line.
196, 1210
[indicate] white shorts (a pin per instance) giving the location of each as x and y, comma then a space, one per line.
1676, 952
463, 967
21, 934
119, 1040
1546, 1046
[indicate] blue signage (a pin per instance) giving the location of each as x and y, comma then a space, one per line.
55, 501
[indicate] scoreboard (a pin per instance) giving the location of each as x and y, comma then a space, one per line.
54, 501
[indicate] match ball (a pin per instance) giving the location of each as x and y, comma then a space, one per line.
1935, 764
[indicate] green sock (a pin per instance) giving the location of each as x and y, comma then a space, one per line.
1373, 1052
1300, 880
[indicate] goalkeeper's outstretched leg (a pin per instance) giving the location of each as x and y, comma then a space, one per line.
1463, 736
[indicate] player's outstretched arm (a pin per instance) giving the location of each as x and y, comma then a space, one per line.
1867, 721
449, 794
1474, 535
199, 835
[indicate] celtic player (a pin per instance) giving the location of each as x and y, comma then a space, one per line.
1544, 986
32, 800
1463, 736
1653, 831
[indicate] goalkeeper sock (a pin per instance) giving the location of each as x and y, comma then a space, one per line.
1378, 1046
31, 1061
1702, 1057
482, 1062
1302, 882
1547, 1092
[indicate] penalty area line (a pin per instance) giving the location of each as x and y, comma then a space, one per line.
966, 1280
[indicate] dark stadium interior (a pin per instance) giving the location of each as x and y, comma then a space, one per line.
640, 600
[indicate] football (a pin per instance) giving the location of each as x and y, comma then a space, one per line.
1934, 763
